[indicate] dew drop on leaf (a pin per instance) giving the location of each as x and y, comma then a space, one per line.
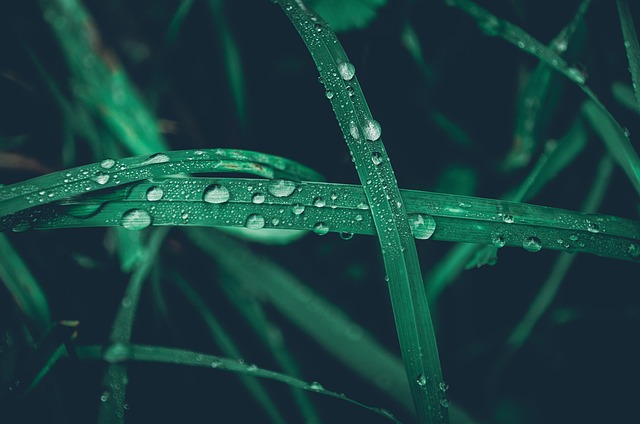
157, 158
345, 235
498, 241
532, 244
117, 352
346, 70
508, 219
422, 226
372, 130
281, 187
107, 163
154, 194
101, 178
297, 209
135, 219
376, 158
216, 193
257, 198
421, 380
319, 202
633, 250
329, 94
315, 386
320, 228
592, 227
254, 221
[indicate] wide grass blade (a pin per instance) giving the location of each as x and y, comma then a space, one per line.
630, 44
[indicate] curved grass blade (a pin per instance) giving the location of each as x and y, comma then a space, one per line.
330, 207
112, 173
170, 355
517, 36
362, 133
178, 19
630, 44
228, 347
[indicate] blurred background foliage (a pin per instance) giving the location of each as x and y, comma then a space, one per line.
195, 74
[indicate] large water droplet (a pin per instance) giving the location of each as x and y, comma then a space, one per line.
508, 219
281, 187
532, 244
101, 178
592, 227
257, 198
372, 130
353, 130
421, 380
345, 235
329, 94
633, 250
135, 219
297, 209
376, 158
346, 70
216, 193
315, 386
254, 221
107, 163
157, 158
498, 241
154, 194
319, 202
320, 228
422, 226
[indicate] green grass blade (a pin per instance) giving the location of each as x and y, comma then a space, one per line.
170, 355
362, 133
23, 287
228, 347
631, 44
178, 19
618, 144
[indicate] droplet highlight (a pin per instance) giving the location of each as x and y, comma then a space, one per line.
372, 130
135, 219
532, 244
422, 226
216, 193
154, 194
320, 228
254, 221
346, 70
281, 187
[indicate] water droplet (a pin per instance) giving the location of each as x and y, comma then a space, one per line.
101, 178
257, 198
521, 44
252, 368
320, 228
350, 91
633, 250
421, 380
107, 163
422, 226
319, 202
117, 352
216, 193
21, 226
353, 130
104, 397
318, 26
154, 194
135, 219
215, 364
329, 94
345, 235
508, 219
346, 70
372, 130
573, 237
577, 75
359, 218
444, 402
254, 221
297, 209
315, 386
157, 158
498, 241
363, 206
376, 158
275, 221
281, 187
443, 386
592, 227
532, 244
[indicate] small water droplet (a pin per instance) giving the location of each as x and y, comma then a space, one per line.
157, 158
318, 26
633, 250
216, 193
498, 241
421, 380
592, 227
257, 198
532, 244
215, 364
372, 130
275, 221
376, 158
154, 194
329, 94
573, 237
363, 206
346, 70
297, 209
353, 130
101, 178
281, 187
359, 218
107, 163
443, 386
254, 221
508, 219
319, 202
444, 402
252, 368
422, 226
521, 44
117, 352
577, 75
104, 397
350, 91
320, 228
345, 235
135, 219
315, 386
